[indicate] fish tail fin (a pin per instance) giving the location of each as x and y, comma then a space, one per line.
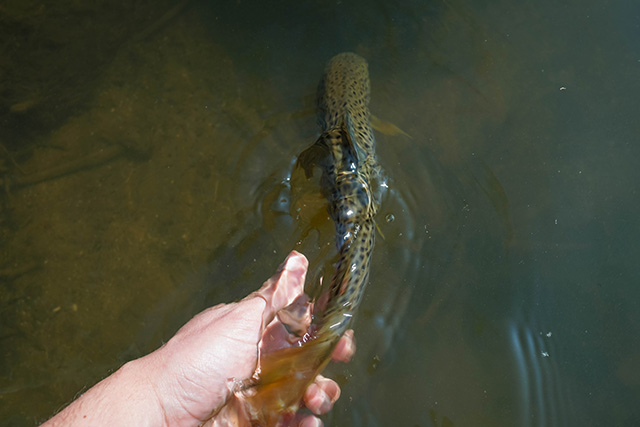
284, 376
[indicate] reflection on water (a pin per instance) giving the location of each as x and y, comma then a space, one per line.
503, 290
542, 392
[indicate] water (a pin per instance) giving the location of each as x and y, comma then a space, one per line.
504, 290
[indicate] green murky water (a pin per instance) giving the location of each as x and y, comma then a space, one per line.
146, 177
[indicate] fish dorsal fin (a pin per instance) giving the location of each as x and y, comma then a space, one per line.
387, 128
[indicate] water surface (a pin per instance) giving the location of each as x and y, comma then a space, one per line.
504, 291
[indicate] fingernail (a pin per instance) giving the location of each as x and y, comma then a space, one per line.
311, 422
325, 406
295, 260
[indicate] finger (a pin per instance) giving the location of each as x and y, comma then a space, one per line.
310, 421
283, 287
321, 395
275, 337
345, 348
297, 316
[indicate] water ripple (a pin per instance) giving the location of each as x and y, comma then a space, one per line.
543, 399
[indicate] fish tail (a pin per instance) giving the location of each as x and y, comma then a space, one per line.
284, 376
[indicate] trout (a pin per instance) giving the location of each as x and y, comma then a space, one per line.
351, 181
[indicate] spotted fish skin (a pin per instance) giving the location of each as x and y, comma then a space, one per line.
351, 175
345, 153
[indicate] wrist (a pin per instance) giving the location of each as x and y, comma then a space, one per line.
142, 403
127, 397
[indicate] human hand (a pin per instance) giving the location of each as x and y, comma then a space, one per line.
198, 366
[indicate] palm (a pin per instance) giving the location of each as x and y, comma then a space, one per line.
219, 347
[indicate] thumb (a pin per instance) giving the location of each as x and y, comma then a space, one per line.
283, 287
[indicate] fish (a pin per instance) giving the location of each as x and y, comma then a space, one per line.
353, 184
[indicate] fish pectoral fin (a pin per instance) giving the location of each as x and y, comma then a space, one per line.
380, 231
348, 135
312, 156
387, 128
